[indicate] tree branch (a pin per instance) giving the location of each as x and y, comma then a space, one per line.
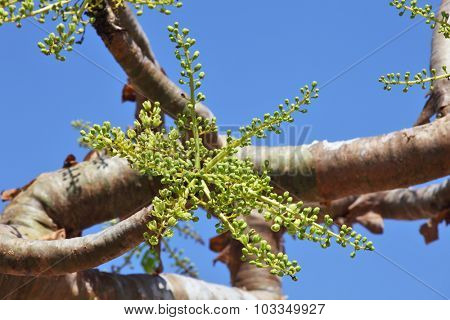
93, 284
398, 204
130, 24
79, 197
404, 204
324, 171
23, 257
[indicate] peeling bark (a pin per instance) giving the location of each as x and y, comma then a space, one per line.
404, 204
370, 209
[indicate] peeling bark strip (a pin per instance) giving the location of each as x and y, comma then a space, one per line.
404, 204
439, 100
431, 202
79, 197
25, 257
325, 171
93, 284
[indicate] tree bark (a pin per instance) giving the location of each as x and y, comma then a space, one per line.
24, 257
399, 204
78, 197
93, 284
324, 171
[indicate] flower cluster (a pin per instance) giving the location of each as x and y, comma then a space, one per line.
216, 180
427, 12
421, 78
70, 14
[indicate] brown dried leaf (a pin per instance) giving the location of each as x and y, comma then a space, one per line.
128, 93
218, 243
224, 256
70, 161
429, 231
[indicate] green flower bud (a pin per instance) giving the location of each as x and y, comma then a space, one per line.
275, 227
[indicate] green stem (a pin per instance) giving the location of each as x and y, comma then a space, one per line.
227, 223
236, 143
280, 206
435, 78
426, 16
40, 11
193, 102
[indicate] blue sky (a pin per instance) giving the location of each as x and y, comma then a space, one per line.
255, 54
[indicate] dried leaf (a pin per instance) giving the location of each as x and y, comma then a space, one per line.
429, 231
128, 93
218, 243
224, 256
70, 161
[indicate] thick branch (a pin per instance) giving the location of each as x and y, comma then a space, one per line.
131, 25
19, 256
79, 197
399, 204
129, 22
324, 171
93, 284
93, 192
404, 204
